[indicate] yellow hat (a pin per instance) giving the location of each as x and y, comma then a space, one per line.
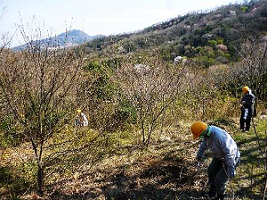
245, 89
197, 128
79, 110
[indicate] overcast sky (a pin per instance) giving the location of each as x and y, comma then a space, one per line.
92, 16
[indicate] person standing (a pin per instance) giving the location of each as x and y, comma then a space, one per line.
247, 108
226, 156
81, 119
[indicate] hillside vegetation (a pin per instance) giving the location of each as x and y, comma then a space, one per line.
200, 36
140, 92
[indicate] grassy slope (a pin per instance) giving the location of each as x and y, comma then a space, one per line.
123, 170
251, 174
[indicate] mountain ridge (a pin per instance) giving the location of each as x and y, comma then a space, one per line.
67, 39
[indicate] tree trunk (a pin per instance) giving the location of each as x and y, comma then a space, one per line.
40, 179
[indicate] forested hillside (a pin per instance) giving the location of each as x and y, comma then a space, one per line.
110, 119
209, 37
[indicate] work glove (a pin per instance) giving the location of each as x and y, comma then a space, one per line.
231, 172
198, 158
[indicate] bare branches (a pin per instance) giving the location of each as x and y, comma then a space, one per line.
151, 89
37, 88
254, 54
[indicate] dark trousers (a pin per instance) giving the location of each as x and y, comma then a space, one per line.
217, 176
247, 120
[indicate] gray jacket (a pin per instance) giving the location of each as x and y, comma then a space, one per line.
222, 146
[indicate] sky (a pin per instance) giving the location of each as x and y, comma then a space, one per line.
43, 18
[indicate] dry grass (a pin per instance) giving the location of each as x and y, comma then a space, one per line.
166, 169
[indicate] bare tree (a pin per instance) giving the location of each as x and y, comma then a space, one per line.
151, 89
3, 38
37, 86
254, 55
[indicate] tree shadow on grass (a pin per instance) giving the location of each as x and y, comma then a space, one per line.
163, 176
57, 195
158, 179
250, 177
11, 185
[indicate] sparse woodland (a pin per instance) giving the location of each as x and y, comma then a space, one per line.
140, 105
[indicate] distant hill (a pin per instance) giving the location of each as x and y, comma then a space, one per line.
64, 40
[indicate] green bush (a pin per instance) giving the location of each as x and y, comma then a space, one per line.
220, 41
212, 43
244, 8
204, 61
92, 66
